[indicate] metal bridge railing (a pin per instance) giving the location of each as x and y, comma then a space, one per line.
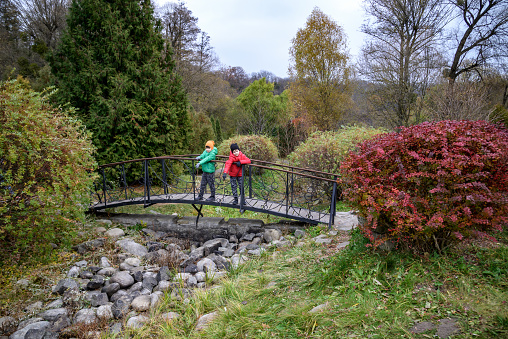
277, 189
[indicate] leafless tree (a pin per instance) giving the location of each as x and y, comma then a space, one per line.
401, 54
44, 20
480, 37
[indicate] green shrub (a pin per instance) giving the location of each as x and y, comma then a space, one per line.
202, 131
256, 147
431, 184
45, 166
324, 151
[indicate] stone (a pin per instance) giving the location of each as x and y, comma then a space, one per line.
192, 281
53, 314
205, 320
81, 263
89, 246
206, 265
345, 221
191, 269
299, 234
200, 277
447, 327
319, 308
342, 245
27, 322
86, 275
154, 246
64, 285
213, 245
107, 271
421, 327
170, 316
271, 235
118, 295
121, 307
322, 239
137, 321
141, 303
34, 307
23, 283
237, 260
163, 286
182, 277
104, 262
126, 267
55, 304
111, 289
96, 282
85, 316
155, 298
104, 221
123, 278
104, 312
135, 262
226, 252
100, 230
73, 272
99, 299
149, 283
164, 274
115, 233
21, 334
132, 247
60, 323
250, 247
136, 287
247, 237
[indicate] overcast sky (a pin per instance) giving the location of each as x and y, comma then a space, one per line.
256, 34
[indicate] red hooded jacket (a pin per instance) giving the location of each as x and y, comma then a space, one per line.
235, 171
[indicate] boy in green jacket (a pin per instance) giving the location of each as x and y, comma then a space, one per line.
208, 168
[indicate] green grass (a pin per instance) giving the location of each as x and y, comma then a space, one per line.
369, 294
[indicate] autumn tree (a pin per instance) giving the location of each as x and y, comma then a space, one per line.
401, 55
481, 36
261, 109
320, 71
111, 66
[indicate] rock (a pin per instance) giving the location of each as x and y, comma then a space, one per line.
200, 276
447, 327
53, 314
64, 285
111, 289
191, 269
205, 320
73, 272
23, 283
163, 286
226, 252
164, 274
134, 262
85, 316
132, 247
345, 221
342, 245
21, 334
271, 235
89, 246
149, 283
169, 316
55, 304
115, 233
154, 246
238, 259
182, 277
116, 328
34, 307
7, 325
319, 308
251, 247
121, 307
81, 263
118, 295
27, 322
96, 282
247, 237
60, 323
421, 327
136, 287
123, 278
107, 271
99, 299
213, 245
137, 322
155, 298
322, 239
100, 230
104, 312
216, 276
141, 303
299, 234
192, 281
206, 265
256, 252
104, 262
86, 275
138, 276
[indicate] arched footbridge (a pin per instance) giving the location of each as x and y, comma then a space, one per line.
285, 191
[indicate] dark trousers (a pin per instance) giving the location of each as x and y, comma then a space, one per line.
235, 182
207, 178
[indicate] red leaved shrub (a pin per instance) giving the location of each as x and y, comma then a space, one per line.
430, 185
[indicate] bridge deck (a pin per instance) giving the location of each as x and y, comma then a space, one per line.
269, 207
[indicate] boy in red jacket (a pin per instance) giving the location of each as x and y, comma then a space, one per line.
234, 168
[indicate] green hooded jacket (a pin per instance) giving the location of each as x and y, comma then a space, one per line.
206, 158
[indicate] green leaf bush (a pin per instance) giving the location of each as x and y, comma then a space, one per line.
255, 147
45, 170
324, 151
430, 185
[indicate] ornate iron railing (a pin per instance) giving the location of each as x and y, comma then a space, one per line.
277, 189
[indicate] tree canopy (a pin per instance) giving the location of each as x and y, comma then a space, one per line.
111, 65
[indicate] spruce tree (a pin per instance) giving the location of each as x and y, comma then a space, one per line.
112, 66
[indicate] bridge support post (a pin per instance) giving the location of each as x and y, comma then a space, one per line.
164, 182
147, 185
104, 187
331, 220
124, 181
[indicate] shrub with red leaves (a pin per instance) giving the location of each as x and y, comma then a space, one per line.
430, 185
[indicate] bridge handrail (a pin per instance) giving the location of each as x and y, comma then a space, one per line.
193, 157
